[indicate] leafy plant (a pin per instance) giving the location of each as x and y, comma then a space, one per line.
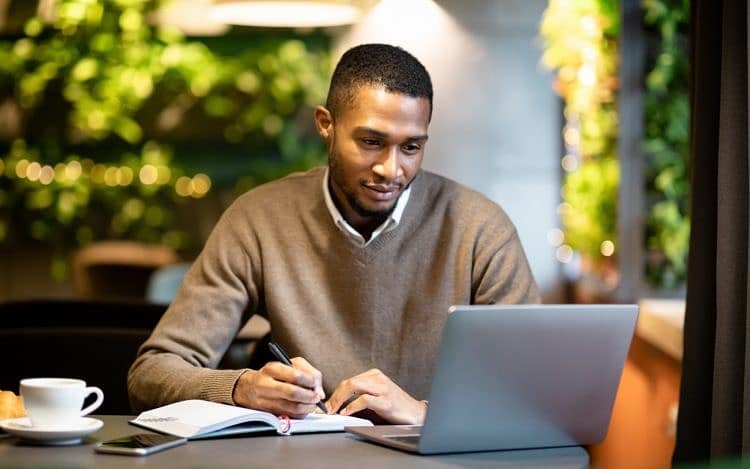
667, 120
580, 44
580, 40
103, 117
592, 190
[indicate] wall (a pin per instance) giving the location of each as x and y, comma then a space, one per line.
496, 119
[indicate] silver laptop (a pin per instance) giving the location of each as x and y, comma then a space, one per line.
517, 377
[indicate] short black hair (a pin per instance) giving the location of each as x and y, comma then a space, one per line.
377, 65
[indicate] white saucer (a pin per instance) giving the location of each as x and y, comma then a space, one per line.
21, 427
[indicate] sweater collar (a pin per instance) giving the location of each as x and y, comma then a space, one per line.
389, 224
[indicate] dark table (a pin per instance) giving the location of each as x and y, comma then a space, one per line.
323, 450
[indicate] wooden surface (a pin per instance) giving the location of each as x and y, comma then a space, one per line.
641, 432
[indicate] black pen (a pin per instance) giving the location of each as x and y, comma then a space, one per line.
279, 353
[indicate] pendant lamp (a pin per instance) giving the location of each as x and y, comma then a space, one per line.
288, 13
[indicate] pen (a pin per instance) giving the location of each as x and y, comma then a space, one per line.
279, 353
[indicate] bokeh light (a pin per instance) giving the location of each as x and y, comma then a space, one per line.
564, 254
555, 236
607, 248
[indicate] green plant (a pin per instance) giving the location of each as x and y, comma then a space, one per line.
580, 44
102, 116
667, 120
580, 40
592, 190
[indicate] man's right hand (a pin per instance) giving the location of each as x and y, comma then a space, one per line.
281, 389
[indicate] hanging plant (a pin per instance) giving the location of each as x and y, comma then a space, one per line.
580, 45
667, 120
580, 42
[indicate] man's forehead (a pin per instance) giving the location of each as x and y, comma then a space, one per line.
375, 103
374, 90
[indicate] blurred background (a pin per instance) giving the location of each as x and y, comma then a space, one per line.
128, 126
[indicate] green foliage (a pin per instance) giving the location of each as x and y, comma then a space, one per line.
590, 192
667, 123
591, 195
580, 44
103, 100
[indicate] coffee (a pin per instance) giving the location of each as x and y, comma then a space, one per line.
57, 402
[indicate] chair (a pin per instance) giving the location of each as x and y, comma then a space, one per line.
95, 341
92, 340
164, 282
118, 269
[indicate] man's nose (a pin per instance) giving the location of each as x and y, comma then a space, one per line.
389, 165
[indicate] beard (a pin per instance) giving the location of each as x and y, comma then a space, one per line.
337, 176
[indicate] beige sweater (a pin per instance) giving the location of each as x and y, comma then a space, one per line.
276, 252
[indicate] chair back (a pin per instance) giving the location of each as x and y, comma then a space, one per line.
96, 341
118, 269
164, 282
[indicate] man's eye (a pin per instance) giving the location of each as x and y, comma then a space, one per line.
411, 148
371, 142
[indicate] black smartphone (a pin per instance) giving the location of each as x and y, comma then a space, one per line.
140, 444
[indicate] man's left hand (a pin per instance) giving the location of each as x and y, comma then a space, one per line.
375, 391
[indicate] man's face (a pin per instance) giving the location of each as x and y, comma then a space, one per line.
375, 150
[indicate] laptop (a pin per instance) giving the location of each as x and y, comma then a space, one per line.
519, 377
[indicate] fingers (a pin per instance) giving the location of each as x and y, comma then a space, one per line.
374, 391
281, 389
278, 389
261, 390
294, 410
310, 372
289, 374
372, 382
378, 404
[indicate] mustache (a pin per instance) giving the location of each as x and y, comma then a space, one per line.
394, 186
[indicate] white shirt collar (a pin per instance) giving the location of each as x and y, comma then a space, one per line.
389, 224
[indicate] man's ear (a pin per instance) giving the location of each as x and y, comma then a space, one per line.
323, 122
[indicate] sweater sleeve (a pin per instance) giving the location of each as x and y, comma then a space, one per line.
501, 272
217, 297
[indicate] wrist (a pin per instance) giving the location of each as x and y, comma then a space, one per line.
240, 391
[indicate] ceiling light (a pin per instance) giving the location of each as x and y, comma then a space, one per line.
189, 16
287, 13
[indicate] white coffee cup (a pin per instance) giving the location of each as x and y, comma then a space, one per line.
57, 402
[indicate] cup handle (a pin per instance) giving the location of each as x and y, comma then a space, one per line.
97, 403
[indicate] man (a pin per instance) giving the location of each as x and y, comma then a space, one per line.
354, 265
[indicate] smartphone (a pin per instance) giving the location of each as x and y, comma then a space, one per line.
140, 444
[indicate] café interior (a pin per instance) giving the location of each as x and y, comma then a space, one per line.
613, 133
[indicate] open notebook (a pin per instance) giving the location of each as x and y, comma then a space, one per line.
195, 419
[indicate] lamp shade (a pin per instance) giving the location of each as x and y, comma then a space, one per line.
287, 13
